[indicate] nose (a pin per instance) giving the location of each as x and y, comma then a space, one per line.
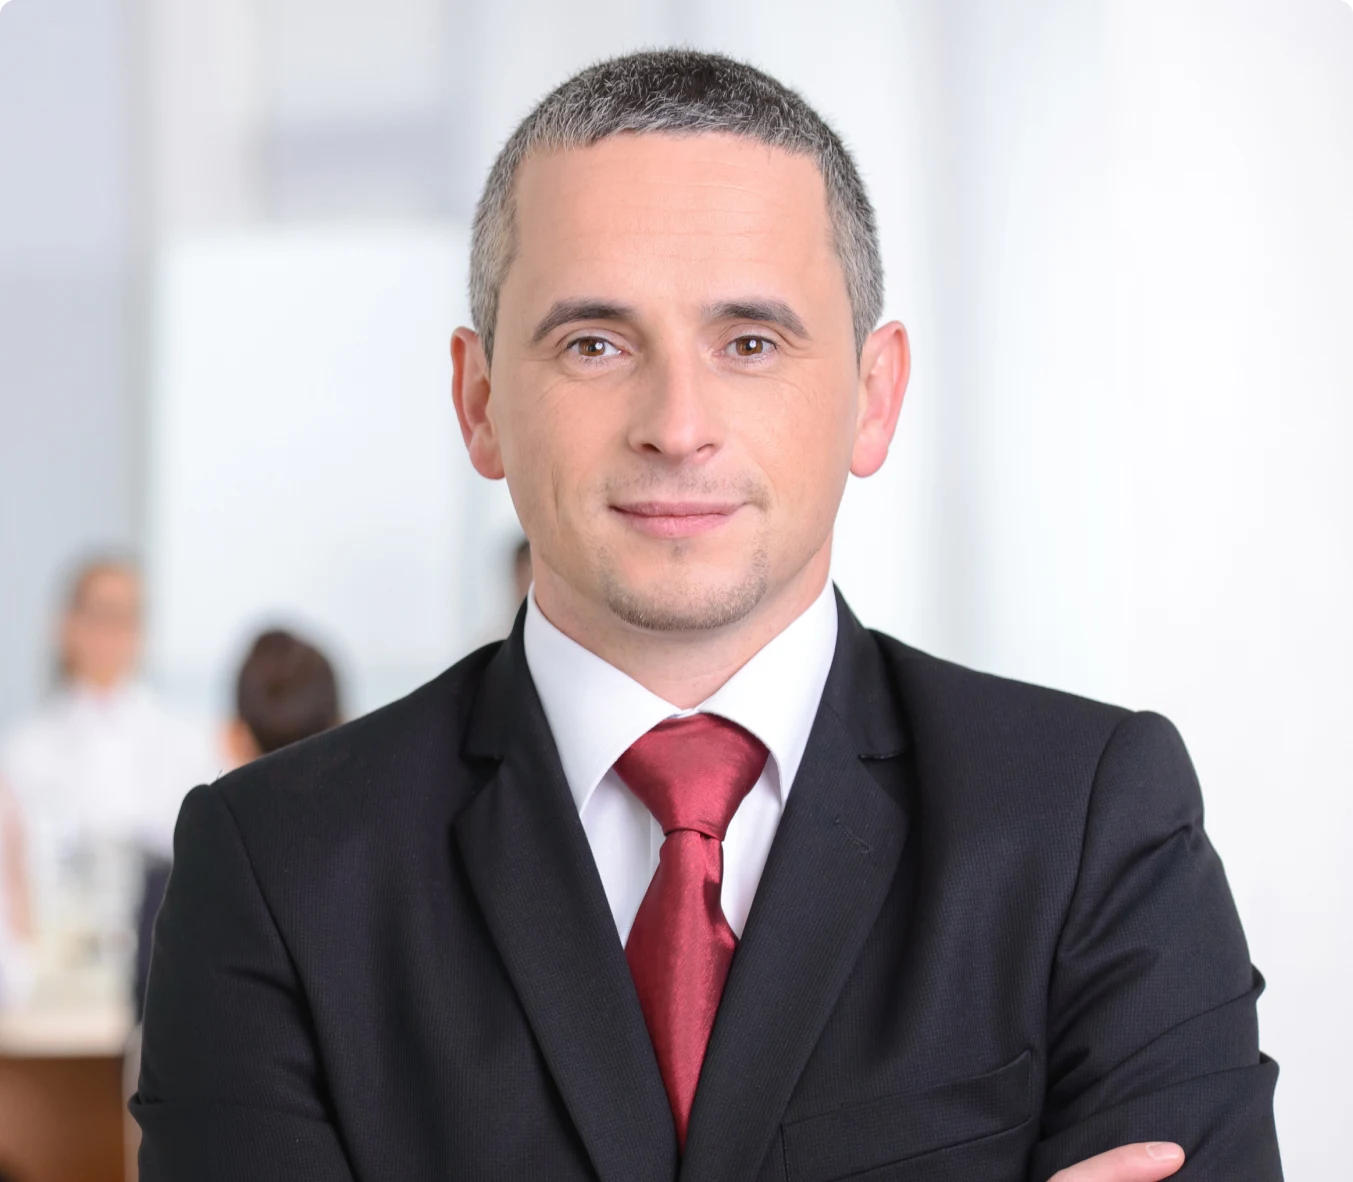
674, 414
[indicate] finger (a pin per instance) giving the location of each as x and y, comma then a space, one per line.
1143, 1162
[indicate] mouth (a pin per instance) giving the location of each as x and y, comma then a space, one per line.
675, 519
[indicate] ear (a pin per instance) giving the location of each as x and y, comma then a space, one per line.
885, 367
470, 389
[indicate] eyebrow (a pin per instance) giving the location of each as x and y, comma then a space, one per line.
568, 311
767, 311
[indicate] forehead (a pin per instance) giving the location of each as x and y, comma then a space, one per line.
646, 211
107, 583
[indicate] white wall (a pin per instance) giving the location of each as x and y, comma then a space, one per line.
1150, 213
1233, 305
306, 466
69, 414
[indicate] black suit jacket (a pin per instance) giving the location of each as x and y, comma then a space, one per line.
991, 939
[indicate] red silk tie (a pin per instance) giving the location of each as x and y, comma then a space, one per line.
692, 774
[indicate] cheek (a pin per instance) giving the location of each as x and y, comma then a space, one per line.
804, 447
527, 466
553, 452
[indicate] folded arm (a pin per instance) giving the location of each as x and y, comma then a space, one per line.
1153, 1033
231, 1087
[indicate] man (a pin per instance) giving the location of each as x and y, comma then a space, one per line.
693, 874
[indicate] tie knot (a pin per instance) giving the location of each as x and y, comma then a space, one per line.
692, 772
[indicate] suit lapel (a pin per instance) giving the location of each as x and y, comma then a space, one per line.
529, 864
831, 864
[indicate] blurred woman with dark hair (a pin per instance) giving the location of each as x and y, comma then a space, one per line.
286, 691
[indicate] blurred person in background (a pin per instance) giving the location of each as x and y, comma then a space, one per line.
96, 775
285, 691
694, 875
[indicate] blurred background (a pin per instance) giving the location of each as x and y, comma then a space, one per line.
232, 251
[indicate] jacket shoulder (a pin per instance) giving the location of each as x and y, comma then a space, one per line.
962, 697
374, 761
1041, 782
999, 749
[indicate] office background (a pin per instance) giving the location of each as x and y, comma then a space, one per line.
232, 243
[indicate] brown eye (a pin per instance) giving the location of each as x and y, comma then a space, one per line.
752, 346
592, 348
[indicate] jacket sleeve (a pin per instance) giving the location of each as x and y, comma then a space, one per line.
1152, 1030
231, 1089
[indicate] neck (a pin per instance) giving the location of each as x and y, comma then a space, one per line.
683, 668
97, 683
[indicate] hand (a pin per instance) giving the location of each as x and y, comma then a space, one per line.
1144, 1162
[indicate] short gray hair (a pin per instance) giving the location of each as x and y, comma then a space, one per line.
678, 91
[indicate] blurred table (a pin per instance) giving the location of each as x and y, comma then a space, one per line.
61, 1093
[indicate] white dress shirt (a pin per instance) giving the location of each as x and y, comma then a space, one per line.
596, 712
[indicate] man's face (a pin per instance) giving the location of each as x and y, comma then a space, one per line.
675, 391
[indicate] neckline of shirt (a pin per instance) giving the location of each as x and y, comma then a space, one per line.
596, 711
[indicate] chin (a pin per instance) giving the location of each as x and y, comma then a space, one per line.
685, 600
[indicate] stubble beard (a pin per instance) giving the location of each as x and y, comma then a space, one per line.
684, 604
681, 600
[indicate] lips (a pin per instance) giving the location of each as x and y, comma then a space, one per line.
675, 519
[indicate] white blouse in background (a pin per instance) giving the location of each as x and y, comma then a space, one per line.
118, 763
98, 779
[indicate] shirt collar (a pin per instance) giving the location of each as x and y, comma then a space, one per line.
596, 712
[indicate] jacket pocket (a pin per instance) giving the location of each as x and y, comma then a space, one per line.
893, 1128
